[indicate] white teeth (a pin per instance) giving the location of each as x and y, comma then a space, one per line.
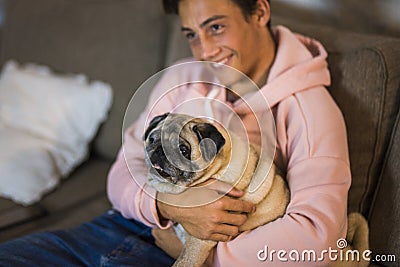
223, 61
216, 65
220, 63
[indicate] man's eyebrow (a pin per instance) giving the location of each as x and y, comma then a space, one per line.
204, 23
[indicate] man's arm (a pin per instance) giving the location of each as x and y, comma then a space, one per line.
312, 144
130, 194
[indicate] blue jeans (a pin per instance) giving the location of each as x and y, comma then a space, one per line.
108, 240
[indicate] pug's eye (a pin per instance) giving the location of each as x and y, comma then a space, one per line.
185, 151
152, 137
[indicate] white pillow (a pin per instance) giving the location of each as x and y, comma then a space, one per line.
27, 169
62, 111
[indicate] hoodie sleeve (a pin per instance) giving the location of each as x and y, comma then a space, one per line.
126, 187
312, 144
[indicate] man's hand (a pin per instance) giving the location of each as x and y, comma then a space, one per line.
217, 221
167, 241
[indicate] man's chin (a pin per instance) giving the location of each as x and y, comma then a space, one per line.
228, 75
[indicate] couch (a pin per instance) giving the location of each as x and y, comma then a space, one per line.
124, 42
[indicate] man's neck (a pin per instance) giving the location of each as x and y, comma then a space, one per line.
240, 88
268, 59
243, 85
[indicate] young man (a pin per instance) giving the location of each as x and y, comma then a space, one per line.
292, 73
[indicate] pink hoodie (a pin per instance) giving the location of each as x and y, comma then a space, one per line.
311, 147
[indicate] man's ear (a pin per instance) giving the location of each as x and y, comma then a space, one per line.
263, 12
153, 124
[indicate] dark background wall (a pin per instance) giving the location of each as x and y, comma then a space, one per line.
365, 16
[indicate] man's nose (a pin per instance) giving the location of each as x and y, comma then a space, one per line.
209, 49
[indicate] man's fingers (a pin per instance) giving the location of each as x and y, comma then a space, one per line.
235, 192
220, 237
224, 233
226, 229
234, 219
223, 188
239, 206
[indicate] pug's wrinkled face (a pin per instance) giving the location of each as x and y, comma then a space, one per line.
179, 148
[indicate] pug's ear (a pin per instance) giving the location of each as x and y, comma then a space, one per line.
207, 130
153, 123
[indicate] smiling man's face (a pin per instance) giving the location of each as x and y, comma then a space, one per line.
218, 31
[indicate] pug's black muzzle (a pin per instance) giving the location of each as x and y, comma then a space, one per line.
165, 168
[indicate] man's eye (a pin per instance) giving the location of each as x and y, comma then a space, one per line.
190, 35
216, 27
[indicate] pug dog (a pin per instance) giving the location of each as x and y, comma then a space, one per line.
183, 151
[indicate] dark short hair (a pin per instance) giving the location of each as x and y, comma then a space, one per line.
247, 6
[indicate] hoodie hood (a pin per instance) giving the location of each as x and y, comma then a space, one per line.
300, 64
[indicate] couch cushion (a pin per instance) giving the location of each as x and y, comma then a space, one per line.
62, 219
102, 39
85, 187
87, 181
385, 213
12, 213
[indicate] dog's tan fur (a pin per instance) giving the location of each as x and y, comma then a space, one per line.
271, 194
271, 197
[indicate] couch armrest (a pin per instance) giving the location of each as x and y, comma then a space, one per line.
385, 211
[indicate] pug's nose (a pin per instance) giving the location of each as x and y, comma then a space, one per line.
178, 174
174, 179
